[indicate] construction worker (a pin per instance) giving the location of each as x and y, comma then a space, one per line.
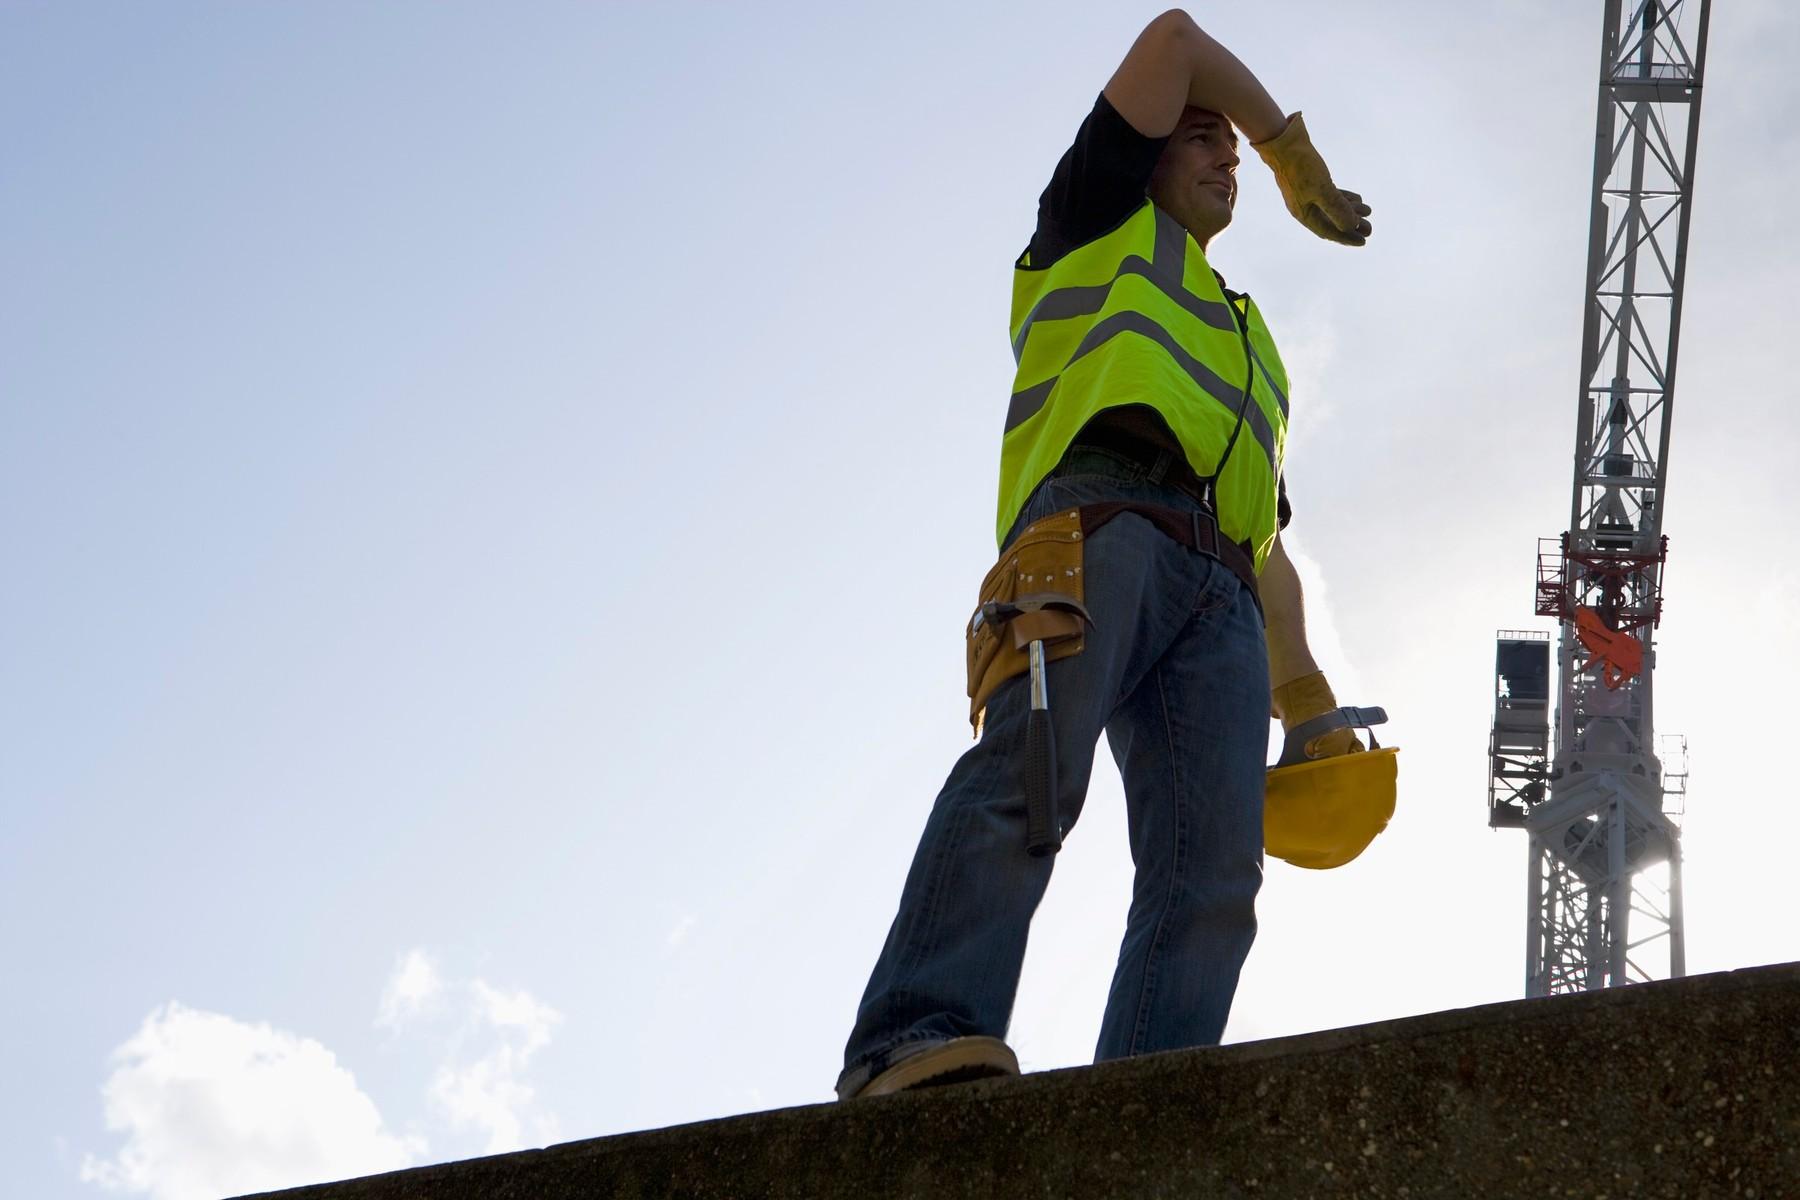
1140, 506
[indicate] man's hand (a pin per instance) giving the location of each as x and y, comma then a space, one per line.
1306, 187
1303, 699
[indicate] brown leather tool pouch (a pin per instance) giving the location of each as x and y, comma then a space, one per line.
1040, 573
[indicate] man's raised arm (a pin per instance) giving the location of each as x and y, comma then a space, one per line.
1174, 64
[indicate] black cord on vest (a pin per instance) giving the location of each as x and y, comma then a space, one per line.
1209, 484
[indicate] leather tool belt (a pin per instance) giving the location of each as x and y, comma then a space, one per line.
1198, 531
1037, 591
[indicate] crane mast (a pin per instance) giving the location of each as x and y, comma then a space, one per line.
1600, 805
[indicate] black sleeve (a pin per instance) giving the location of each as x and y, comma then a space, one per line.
1283, 510
1099, 182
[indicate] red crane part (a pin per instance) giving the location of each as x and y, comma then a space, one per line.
1620, 655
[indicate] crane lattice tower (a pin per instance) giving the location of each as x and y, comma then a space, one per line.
1601, 806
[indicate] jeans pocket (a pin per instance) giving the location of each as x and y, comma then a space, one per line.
1217, 591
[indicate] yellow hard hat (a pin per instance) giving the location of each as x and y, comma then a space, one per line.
1321, 813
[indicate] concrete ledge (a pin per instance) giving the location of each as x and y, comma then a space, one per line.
1688, 1088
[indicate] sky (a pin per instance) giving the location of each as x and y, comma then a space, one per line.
489, 497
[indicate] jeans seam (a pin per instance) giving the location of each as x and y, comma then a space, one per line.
919, 948
1214, 572
1147, 988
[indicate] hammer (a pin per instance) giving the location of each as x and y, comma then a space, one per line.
1042, 834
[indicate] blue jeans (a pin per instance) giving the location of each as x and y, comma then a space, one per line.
1176, 671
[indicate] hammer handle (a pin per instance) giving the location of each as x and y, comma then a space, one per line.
1042, 836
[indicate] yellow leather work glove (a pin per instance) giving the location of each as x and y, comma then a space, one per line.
1303, 699
1306, 187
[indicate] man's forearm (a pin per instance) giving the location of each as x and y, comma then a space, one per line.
1284, 619
1175, 63
1225, 85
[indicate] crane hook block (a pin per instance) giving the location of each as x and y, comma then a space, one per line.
1621, 656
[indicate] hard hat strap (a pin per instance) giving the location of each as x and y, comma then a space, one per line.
1293, 748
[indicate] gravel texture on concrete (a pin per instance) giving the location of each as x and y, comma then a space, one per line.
1686, 1088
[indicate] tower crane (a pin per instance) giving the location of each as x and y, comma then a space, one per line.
1602, 802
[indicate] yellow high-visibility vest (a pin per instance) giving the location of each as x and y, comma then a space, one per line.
1136, 316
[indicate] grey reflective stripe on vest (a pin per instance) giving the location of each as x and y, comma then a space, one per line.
1025, 404
1081, 301
1168, 263
1280, 396
1170, 248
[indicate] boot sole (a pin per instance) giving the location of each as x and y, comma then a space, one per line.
958, 1060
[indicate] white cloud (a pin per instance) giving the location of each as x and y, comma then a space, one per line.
211, 1106
488, 1093
488, 1096
679, 934
517, 1013
414, 985
490, 1036
1309, 344
1322, 636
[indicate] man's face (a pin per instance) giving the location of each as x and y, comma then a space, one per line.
1195, 180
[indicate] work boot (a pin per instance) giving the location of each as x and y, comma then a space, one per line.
955, 1061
